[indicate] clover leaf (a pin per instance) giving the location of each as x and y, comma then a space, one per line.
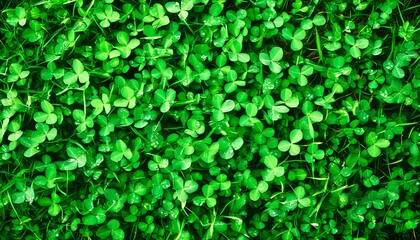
208, 155
52, 71
182, 189
125, 45
236, 54
47, 181
314, 153
166, 99
106, 51
277, 108
107, 15
249, 119
295, 38
35, 31
233, 82
291, 145
356, 45
177, 120
301, 74
161, 71
121, 151
182, 9
273, 170
256, 188
128, 99
369, 179
375, 144
310, 118
23, 193
79, 74
47, 115
101, 104
18, 16
159, 186
297, 199
112, 228
318, 20
208, 197
300, 195
157, 16
16, 73
272, 59
52, 203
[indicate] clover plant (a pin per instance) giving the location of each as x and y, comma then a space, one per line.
198, 119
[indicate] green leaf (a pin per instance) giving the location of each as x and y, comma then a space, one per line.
362, 43
411, 224
296, 135
299, 192
165, 107
120, 145
103, 232
276, 54
47, 107
251, 110
18, 197
77, 66
208, 190
287, 34
296, 45
275, 67
355, 52
187, 4
382, 143
305, 202
160, 96
294, 149
173, 7
374, 151
284, 145
237, 143
349, 40
227, 106
113, 224
265, 59
270, 161
70, 78
123, 38
190, 186
371, 138
306, 24
299, 34
319, 20
118, 234
398, 72
254, 195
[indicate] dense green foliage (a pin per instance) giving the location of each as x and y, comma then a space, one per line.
209, 119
